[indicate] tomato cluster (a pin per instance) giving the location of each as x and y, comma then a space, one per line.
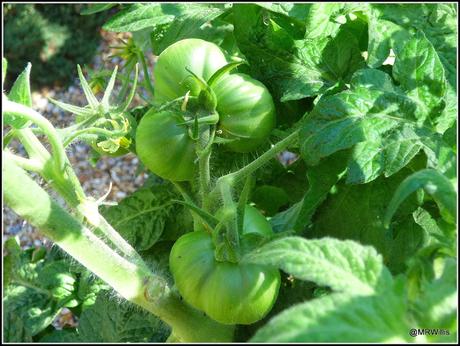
230, 293
244, 105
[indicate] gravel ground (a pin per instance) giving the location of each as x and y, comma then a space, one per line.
121, 171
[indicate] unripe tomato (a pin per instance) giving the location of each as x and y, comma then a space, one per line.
245, 106
164, 146
201, 57
230, 293
246, 111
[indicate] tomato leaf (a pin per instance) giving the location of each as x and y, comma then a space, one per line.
340, 318
345, 266
421, 75
192, 24
43, 286
435, 184
304, 67
147, 216
119, 323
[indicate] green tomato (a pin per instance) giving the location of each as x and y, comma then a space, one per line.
230, 293
245, 106
246, 111
172, 80
164, 146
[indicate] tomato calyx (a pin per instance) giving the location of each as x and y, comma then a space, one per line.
207, 99
253, 231
223, 71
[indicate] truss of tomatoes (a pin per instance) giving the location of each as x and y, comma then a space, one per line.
244, 105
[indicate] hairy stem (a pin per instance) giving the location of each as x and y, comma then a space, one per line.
242, 173
204, 151
32, 145
92, 130
232, 225
124, 87
89, 209
244, 196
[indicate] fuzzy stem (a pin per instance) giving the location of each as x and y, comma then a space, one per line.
92, 130
244, 196
32, 145
186, 196
65, 181
242, 173
89, 209
124, 87
232, 224
204, 154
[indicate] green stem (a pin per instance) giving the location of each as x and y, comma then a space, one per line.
146, 73
242, 173
65, 182
232, 223
22, 111
32, 165
8, 137
186, 196
89, 209
32, 145
242, 202
133, 282
204, 154
92, 130
124, 87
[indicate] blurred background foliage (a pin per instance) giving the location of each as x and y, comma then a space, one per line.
53, 37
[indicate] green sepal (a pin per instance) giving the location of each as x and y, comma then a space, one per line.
20, 92
206, 96
223, 71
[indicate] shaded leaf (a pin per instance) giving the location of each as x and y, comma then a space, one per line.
435, 184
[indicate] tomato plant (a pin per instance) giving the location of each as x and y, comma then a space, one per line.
301, 180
